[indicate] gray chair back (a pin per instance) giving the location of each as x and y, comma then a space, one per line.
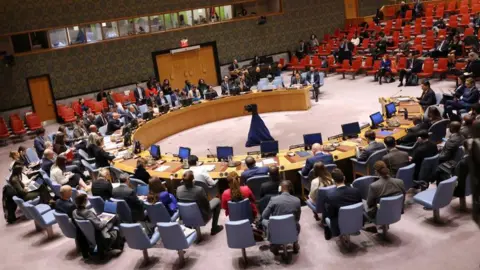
157, 212
390, 210
406, 175
20, 205
438, 131
282, 229
97, 203
240, 210
103, 130
255, 182
115, 173
67, 227
239, 234
350, 218
363, 184
55, 187
172, 236
429, 166
190, 214
321, 195
83, 154
31, 155
135, 236
210, 191
376, 156
444, 193
87, 229
123, 210
137, 182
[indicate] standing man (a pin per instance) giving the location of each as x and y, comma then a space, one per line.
139, 94
39, 142
313, 79
345, 51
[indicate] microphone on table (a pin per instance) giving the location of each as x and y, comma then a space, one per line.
396, 93
211, 154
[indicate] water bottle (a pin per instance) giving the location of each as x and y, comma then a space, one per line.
405, 113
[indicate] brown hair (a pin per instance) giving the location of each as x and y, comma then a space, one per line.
322, 173
155, 186
234, 184
381, 168
14, 154
141, 162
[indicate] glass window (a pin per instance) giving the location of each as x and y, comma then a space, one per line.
157, 23
110, 30
200, 16
171, 20
76, 35
141, 25
93, 32
126, 27
185, 18
58, 38
39, 40
224, 13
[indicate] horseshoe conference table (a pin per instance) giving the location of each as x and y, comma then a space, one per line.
170, 167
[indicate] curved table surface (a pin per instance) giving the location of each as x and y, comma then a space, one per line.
170, 167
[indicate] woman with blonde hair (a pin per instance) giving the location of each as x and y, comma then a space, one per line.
141, 172
323, 178
236, 193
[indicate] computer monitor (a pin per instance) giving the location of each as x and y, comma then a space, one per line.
390, 109
377, 119
269, 148
186, 102
183, 152
223, 152
210, 96
147, 116
164, 108
351, 130
155, 152
310, 139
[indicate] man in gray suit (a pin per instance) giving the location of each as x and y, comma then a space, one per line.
188, 192
283, 204
453, 143
372, 147
124, 192
395, 159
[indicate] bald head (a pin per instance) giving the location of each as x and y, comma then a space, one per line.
250, 162
66, 192
92, 129
115, 116
48, 154
188, 178
316, 147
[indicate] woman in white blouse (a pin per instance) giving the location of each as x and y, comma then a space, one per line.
59, 174
355, 40
322, 179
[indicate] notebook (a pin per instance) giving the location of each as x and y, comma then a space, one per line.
302, 153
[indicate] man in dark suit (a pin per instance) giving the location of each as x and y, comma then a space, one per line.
102, 188
412, 133
301, 50
318, 155
414, 66
252, 170
124, 192
89, 119
470, 96
102, 157
64, 204
100, 120
271, 187
188, 192
424, 149
394, 159
441, 48
39, 142
343, 195
428, 97
372, 147
48, 160
417, 10
139, 94
234, 65
345, 51
226, 85
298, 80
114, 124
283, 204
452, 144
313, 79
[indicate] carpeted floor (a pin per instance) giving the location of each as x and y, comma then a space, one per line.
413, 242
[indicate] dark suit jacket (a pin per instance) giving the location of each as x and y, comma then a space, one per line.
470, 96
283, 204
428, 99
124, 192
370, 149
255, 171
233, 66
39, 144
65, 207
412, 133
113, 125
341, 196
269, 188
395, 159
473, 67
417, 65
142, 174
102, 188
195, 194
442, 47
136, 94
316, 78
383, 188
295, 81
422, 151
451, 147
226, 87
102, 157
100, 121
46, 165
325, 158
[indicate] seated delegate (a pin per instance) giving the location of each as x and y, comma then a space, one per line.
22, 190
102, 157
413, 67
125, 192
322, 179
102, 186
60, 175
428, 97
199, 173
141, 172
412, 133
64, 204
373, 146
318, 155
159, 193
394, 159
252, 170
237, 193
470, 96
424, 149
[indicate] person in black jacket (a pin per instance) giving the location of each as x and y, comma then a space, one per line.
102, 158
271, 187
451, 146
102, 188
140, 172
412, 133
313, 78
139, 93
114, 124
124, 192
345, 51
64, 204
414, 66
428, 97
425, 149
470, 96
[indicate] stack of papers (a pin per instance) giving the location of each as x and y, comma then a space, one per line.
259, 164
106, 217
162, 168
269, 161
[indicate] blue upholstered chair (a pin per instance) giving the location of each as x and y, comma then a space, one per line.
318, 207
350, 221
307, 180
389, 212
123, 210
67, 227
428, 168
438, 131
158, 213
137, 238
366, 167
42, 208
363, 185
192, 217
282, 230
142, 190
89, 231
84, 155
91, 168
436, 198
240, 236
240, 210
43, 220
137, 182
97, 203
211, 191
255, 182
406, 175
173, 238
408, 149
32, 155
53, 185
103, 130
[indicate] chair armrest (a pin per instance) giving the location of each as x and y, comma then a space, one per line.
34, 201
354, 160
155, 237
404, 148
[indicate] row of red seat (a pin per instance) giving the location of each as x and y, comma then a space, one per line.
17, 125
